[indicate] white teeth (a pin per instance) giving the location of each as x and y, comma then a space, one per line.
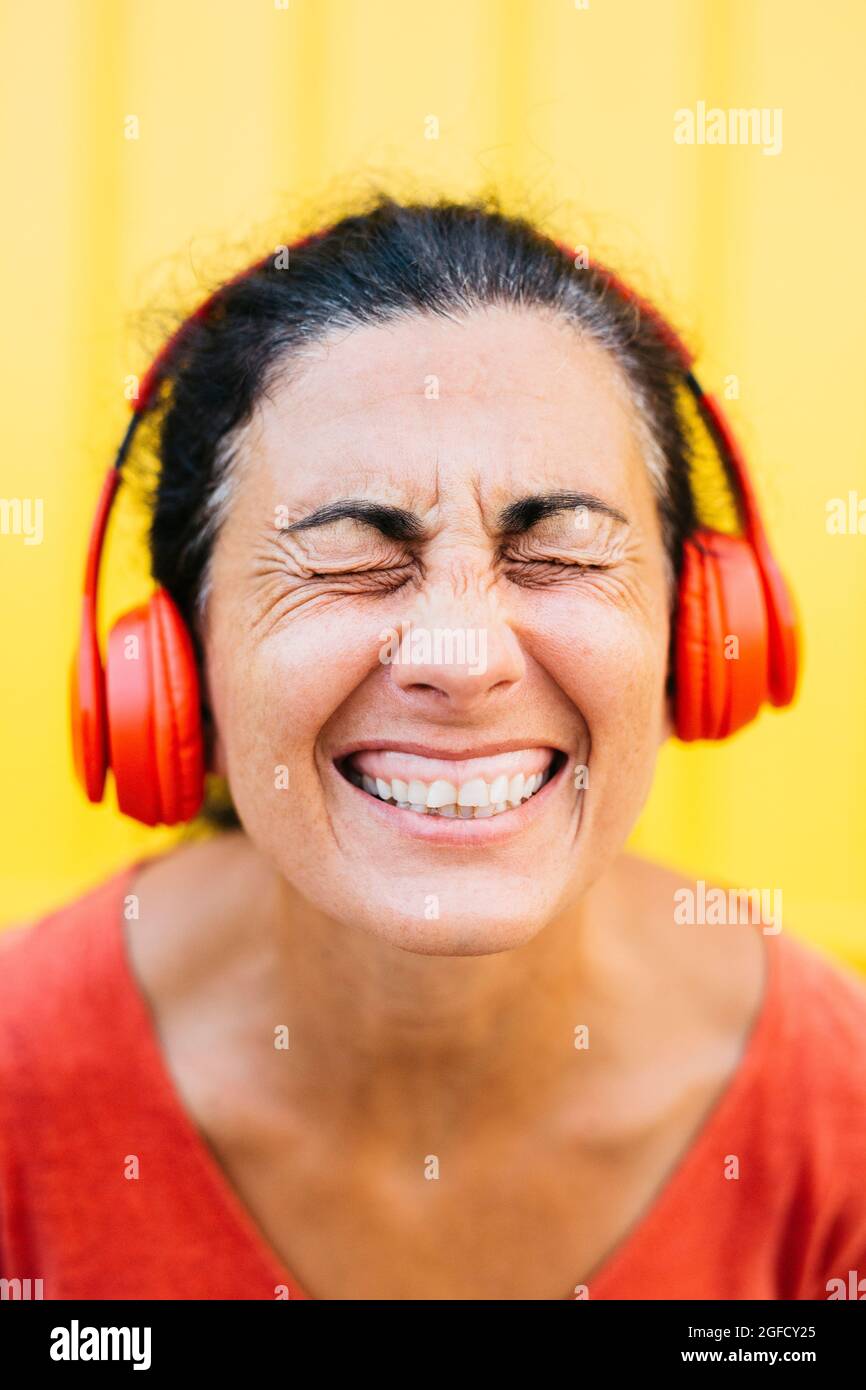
476, 799
499, 789
474, 793
515, 789
441, 794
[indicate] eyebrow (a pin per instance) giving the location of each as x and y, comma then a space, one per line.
521, 515
398, 524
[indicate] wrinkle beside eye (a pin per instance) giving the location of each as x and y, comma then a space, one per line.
281, 588
278, 600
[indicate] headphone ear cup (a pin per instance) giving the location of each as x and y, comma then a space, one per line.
154, 717
690, 647
719, 686
177, 702
87, 703
783, 629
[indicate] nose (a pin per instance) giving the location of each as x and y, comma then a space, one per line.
455, 650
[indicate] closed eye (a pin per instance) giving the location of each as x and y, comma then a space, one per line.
528, 571
372, 579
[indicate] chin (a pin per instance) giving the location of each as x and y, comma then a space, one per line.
452, 913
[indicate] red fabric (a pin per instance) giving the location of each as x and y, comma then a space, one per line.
83, 1085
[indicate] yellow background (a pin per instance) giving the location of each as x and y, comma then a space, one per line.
254, 116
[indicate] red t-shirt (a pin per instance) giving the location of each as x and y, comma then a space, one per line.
83, 1085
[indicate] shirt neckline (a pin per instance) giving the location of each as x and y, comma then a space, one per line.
668, 1196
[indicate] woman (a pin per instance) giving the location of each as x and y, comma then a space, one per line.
415, 1026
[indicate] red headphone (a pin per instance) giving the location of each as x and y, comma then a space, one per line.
141, 715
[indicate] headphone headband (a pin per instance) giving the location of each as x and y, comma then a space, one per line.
145, 723
713, 416
715, 420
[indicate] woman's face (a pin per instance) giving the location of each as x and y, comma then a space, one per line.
442, 566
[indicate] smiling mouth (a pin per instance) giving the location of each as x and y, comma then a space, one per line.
452, 788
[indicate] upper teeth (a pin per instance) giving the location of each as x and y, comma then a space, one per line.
474, 799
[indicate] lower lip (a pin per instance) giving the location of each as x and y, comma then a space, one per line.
445, 830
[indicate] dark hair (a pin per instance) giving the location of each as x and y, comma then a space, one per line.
389, 260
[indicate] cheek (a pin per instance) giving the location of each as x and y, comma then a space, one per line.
272, 694
617, 665
610, 660
623, 665
611, 663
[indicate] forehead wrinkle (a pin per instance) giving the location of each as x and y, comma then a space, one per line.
300, 519
471, 508
422, 485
